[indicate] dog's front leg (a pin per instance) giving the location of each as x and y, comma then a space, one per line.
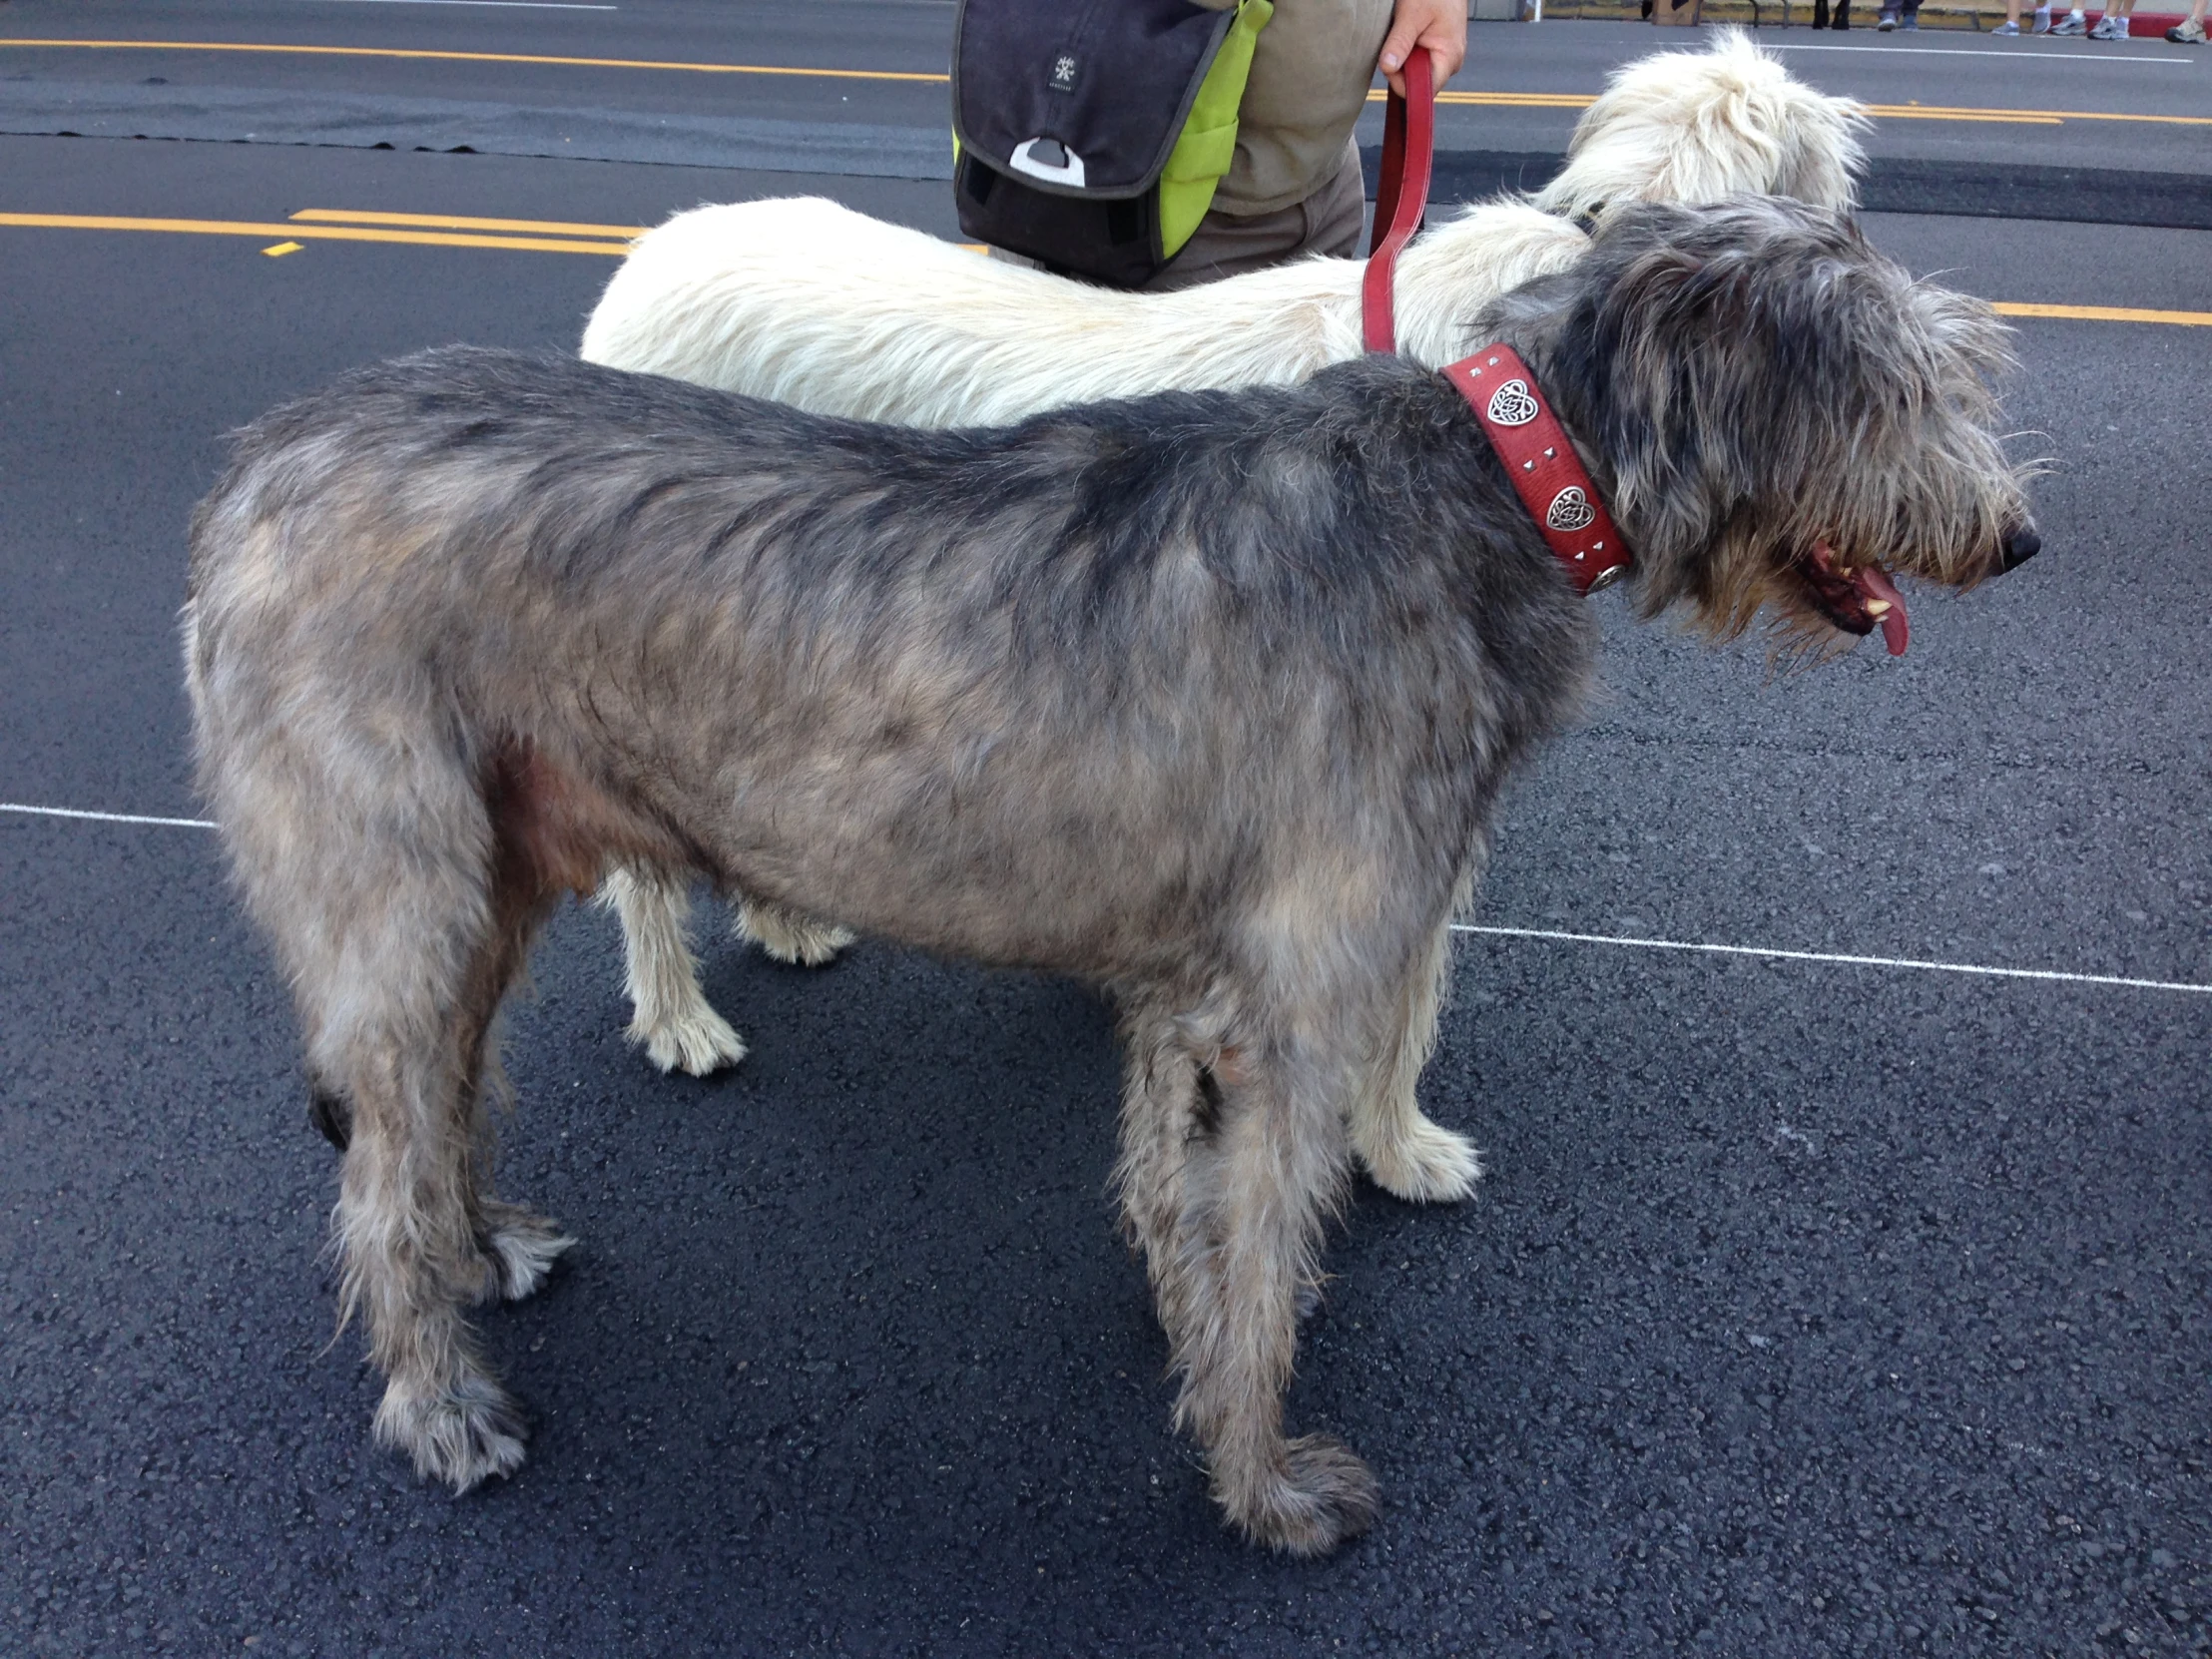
1409, 1156
1227, 1171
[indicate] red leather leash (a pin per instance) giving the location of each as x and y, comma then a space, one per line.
1547, 475
1401, 194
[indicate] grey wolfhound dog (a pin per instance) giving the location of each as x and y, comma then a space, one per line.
1205, 698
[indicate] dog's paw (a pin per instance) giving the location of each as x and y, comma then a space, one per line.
792, 939
520, 1248
698, 1041
460, 1435
1425, 1165
1322, 1495
791, 936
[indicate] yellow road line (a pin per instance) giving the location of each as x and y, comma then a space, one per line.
2104, 314
452, 222
482, 57
305, 226
1971, 114
1887, 112
1496, 99
309, 233
1938, 112
1511, 99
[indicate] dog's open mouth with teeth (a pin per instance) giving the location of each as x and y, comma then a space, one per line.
1857, 597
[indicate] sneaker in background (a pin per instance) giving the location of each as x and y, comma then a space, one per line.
2042, 20
2005, 29
2075, 24
2189, 32
2110, 28
1885, 22
1912, 21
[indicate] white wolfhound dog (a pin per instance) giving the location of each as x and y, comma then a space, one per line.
810, 304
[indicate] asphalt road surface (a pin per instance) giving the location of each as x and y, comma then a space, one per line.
1809, 1308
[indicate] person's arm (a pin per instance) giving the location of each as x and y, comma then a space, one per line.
1439, 25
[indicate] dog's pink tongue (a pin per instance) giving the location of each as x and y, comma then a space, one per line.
1872, 582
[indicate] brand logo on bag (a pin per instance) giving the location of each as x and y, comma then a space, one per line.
1512, 404
1570, 510
1063, 74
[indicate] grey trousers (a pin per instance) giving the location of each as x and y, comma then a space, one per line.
1226, 245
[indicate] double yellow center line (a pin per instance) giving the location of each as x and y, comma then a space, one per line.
549, 236
1492, 99
329, 225
417, 53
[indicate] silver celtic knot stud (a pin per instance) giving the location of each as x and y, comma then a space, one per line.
1570, 510
1513, 405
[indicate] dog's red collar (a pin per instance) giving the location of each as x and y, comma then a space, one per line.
1545, 470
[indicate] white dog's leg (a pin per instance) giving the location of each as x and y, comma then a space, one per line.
672, 1016
1409, 1156
789, 936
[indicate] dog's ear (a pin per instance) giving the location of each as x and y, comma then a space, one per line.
1821, 160
1640, 365
1529, 316
1534, 317
1685, 363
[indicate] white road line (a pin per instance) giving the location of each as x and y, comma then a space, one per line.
2007, 53
1835, 956
1551, 934
105, 817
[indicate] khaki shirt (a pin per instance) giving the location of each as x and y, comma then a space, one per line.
1310, 69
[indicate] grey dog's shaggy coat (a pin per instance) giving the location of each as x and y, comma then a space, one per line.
1205, 698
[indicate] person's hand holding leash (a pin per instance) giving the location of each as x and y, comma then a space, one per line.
1439, 25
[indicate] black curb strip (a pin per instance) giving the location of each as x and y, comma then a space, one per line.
2078, 195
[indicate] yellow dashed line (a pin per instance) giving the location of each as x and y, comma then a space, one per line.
284, 248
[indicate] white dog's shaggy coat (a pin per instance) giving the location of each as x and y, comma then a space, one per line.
810, 304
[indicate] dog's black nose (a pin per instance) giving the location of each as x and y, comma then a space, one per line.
2021, 545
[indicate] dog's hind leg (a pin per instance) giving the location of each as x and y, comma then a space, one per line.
418, 1235
1229, 1165
789, 936
1409, 1156
671, 1016
401, 913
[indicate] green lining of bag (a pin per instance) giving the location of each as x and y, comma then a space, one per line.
1208, 143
